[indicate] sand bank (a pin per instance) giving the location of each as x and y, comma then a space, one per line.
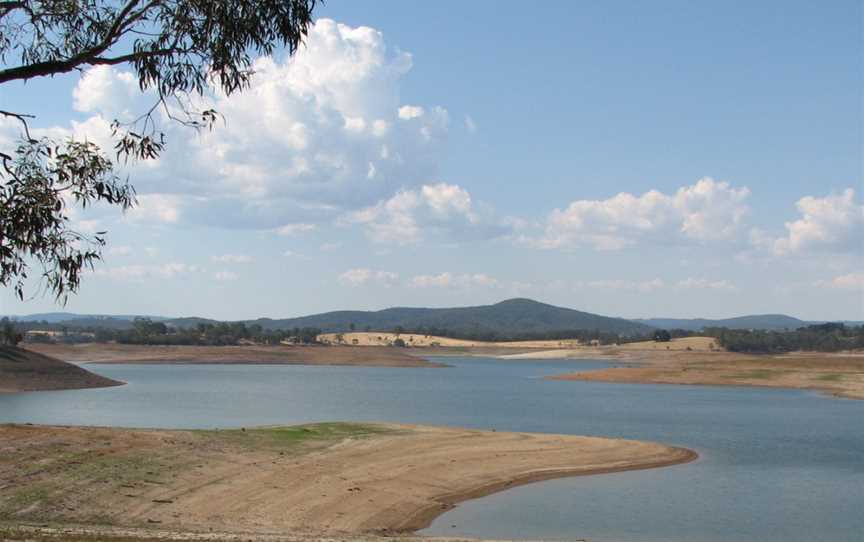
276, 355
840, 375
325, 478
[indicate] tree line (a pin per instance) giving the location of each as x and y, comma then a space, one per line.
829, 337
147, 331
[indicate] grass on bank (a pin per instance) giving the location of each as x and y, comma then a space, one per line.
294, 436
41, 476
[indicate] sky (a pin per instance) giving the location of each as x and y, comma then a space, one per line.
633, 159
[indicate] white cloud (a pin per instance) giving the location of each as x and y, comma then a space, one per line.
361, 276
450, 280
409, 216
225, 276
329, 247
120, 250
408, 112
315, 136
835, 222
102, 87
705, 284
295, 255
158, 208
706, 211
852, 281
295, 229
232, 258
141, 272
643, 286
470, 125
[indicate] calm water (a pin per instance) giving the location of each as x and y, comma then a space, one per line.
777, 465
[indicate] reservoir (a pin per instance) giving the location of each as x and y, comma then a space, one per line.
775, 465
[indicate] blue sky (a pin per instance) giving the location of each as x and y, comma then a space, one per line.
627, 158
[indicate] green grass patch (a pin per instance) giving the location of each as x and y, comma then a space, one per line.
295, 435
759, 374
830, 377
28, 496
117, 469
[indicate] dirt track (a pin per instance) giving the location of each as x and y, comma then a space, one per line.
326, 478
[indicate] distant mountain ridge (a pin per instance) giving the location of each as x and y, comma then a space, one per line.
60, 317
506, 317
775, 322
512, 316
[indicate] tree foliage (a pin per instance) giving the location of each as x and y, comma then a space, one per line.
177, 48
9, 334
662, 336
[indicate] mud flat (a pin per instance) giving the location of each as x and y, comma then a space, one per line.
328, 479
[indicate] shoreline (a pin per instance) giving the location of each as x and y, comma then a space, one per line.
111, 353
328, 479
838, 375
424, 518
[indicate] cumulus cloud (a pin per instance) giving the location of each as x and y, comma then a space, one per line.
852, 281
705, 284
470, 125
289, 230
450, 280
121, 250
316, 135
706, 211
225, 276
835, 222
411, 215
156, 208
644, 286
362, 275
142, 272
651, 285
232, 258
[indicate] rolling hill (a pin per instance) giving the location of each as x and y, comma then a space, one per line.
513, 316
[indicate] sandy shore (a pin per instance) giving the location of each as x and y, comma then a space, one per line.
277, 355
840, 375
326, 478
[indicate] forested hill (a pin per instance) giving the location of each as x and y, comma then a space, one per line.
510, 317
773, 322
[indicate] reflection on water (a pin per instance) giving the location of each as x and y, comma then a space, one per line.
777, 465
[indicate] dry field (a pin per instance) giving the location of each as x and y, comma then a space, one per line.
328, 479
374, 338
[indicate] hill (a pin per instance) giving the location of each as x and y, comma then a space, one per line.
776, 322
23, 370
507, 318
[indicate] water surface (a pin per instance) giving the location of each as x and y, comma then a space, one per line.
776, 465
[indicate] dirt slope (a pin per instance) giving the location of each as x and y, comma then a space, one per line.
24, 370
